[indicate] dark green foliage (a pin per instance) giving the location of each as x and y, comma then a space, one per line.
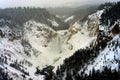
106, 74
17, 66
47, 71
68, 76
20, 15
82, 13
106, 5
73, 64
6, 76
102, 39
3, 75
111, 14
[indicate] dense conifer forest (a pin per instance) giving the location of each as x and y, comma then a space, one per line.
21, 15
111, 14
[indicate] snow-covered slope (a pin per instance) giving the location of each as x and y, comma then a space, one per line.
108, 57
69, 18
103, 54
39, 45
12, 52
53, 47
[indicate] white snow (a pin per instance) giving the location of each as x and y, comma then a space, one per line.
54, 23
97, 14
106, 58
101, 28
59, 46
52, 46
69, 18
